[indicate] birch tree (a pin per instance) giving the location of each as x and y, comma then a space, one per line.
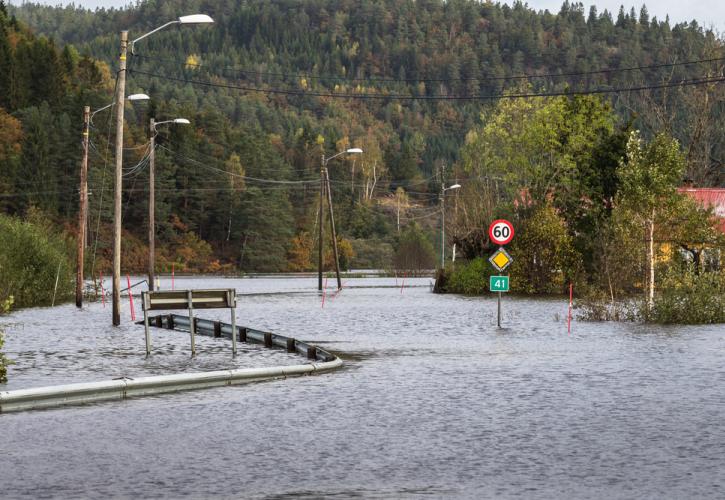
648, 177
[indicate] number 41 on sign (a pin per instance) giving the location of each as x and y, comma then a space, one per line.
498, 283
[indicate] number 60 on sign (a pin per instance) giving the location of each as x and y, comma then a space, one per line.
501, 232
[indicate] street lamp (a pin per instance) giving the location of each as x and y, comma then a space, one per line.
132, 97
83, 194
443, 221
118, 183
325, 186
152, 192
192, 19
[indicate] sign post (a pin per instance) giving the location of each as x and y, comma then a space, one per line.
500, 232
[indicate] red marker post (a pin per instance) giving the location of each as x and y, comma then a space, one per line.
324, 293
130, 298
103, 293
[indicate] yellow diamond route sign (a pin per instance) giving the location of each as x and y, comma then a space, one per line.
500, 259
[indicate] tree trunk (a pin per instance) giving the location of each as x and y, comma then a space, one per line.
398, 215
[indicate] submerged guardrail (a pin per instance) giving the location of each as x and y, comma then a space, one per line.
117, 389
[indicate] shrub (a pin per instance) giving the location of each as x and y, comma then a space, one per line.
682, 298
470, 278
31, 255
689, 298
4, 307
3, 362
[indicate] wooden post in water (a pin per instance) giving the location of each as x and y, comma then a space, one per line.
152, 204
320, 231
83, 209
332, 228
118, 181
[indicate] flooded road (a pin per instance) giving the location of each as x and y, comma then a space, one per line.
433, 401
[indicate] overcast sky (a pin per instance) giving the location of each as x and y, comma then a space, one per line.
709, 13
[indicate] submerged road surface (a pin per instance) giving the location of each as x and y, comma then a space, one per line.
433, 401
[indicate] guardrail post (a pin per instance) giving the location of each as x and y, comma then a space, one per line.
217, 329
170, 322
242, 334
267, 339
158, 321
234, 337
191, 322
144, 300
311, 352
291, 347
232, 301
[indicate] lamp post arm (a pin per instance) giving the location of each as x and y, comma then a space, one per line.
151, 33
100, 109
161, 123
325, 160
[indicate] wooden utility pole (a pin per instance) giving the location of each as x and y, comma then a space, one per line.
118, 184
83, 210
320, 231
152, 204
332, 229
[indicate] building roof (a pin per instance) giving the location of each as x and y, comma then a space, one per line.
709, 197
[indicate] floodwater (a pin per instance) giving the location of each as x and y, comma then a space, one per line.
434, 401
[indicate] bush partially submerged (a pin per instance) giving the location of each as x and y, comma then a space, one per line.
470, 278
682, 297
3, 362
689, 298
4, 307
31, 255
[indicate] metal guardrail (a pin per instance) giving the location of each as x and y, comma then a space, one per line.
117, 389
243, 334
70, 394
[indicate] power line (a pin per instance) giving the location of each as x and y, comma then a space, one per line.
245, 177
526, 76
519, 95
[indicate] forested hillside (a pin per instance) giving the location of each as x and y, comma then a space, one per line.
271, 85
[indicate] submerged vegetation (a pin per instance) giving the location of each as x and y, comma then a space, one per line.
4, 308
3, 361
35, 264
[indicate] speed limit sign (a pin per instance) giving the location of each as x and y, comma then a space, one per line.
501, 232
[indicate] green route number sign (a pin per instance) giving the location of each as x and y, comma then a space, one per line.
498, 283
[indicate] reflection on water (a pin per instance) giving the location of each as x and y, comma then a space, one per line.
434, 401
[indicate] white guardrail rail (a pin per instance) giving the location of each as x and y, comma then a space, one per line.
70, 394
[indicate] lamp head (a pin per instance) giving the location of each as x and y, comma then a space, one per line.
455, 186
138, 97
182, 121
196, 19
354, 151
